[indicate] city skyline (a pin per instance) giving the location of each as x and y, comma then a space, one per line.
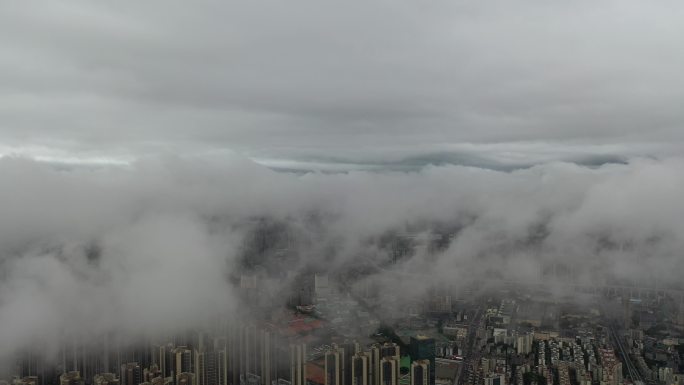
337, 193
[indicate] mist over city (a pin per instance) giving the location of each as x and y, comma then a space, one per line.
308, 193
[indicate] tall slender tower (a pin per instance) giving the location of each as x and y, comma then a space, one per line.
298, 364
420, 372
182, 361
249, 358
267, 349
131, 374
423, 348
361, 369
207, 367
389, 371
334, 366
350, 348
375, 357
376, 354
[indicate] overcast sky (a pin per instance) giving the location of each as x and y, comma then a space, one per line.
307, 84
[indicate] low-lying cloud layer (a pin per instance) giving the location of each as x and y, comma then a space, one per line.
157, 245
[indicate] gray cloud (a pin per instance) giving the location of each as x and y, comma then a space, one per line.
277, 80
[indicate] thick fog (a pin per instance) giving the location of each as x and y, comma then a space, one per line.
158, 245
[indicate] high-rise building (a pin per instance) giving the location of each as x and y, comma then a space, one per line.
375, 357
143, 355
390, 350
268, 356
361, 369
376, 354
260, 355
131, 374
248, 351
174, 360
389, 371
298, 364
211, 364
232, 353
423, 348
182, 361
26, 363
207, 367
350, 348
334, 366
224, 362
164, 359
151, 373
523, 343
611, 367
321, 287
31, 362
76, 356
680, 311
420, 372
